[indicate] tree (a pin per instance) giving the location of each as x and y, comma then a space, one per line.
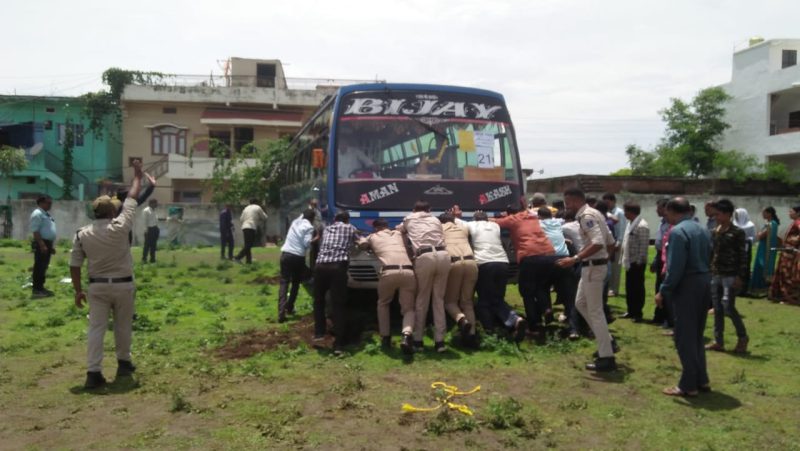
691, 138
250, 173
99, 106
66, 176
12, 160
735, 165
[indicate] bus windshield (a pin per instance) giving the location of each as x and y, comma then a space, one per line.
394, 148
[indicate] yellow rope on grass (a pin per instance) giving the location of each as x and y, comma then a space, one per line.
443, 397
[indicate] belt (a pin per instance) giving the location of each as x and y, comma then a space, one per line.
466, 257
391, 267
429, 249
596, 262
110, 279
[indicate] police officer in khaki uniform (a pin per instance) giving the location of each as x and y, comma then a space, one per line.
105, 245
593, 258
459, 295
397, 274
431, 266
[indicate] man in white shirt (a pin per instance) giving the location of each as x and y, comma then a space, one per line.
252, 217
351, 161
492, 276
618, 216
634, 259
293, 262
151, 231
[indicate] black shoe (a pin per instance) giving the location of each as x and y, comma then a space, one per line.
627, 316
464, 326
548, 316
419, 346
439, 347
614, 347
125, 368
602, 365
386, 342
473, 342
407, 345
338, 351
638, 319
39, 294
281, 318
520, 329
94, 379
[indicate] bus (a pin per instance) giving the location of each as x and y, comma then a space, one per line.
376, 149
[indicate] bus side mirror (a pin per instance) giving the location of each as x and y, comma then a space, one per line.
318, 160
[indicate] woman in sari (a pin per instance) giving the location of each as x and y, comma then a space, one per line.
764, 265
786, 286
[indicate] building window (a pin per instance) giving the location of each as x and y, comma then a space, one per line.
168, 139
77, 134
219, 140
789, 59
169, 110
265, 75
242, 136
794, 119
189, 197
50, 109
30, 180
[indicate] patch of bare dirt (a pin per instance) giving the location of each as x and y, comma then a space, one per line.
248, 344
269, 280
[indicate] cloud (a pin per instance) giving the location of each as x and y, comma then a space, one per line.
582, 78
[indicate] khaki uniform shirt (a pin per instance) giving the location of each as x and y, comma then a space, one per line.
389, 247
423, 229
594, 230
105, 243
457, 239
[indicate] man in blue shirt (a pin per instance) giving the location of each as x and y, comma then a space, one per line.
43, 227
293, 261
687, 286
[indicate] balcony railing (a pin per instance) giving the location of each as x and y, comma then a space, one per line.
212, 80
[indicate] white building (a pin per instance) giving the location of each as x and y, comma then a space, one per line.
764, 113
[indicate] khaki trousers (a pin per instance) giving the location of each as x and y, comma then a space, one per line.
458, 300
589, 302
390, 282
105, 298
431, 270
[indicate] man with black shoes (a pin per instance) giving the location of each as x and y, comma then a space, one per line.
104, 244
293, 262
593, 258
330, 274
634, 259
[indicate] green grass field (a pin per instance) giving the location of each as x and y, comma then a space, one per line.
195, 313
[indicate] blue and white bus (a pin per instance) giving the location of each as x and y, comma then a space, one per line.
376, 149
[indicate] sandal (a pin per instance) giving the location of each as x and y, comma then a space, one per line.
675, 391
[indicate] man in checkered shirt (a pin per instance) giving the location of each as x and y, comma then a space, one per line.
330, 274
634, 259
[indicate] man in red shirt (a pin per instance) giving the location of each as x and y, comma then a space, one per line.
536, 258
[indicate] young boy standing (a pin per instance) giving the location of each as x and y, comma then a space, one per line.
728, 273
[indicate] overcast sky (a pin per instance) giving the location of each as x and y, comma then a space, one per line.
582, 79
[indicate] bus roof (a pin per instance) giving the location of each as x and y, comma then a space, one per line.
417, 87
